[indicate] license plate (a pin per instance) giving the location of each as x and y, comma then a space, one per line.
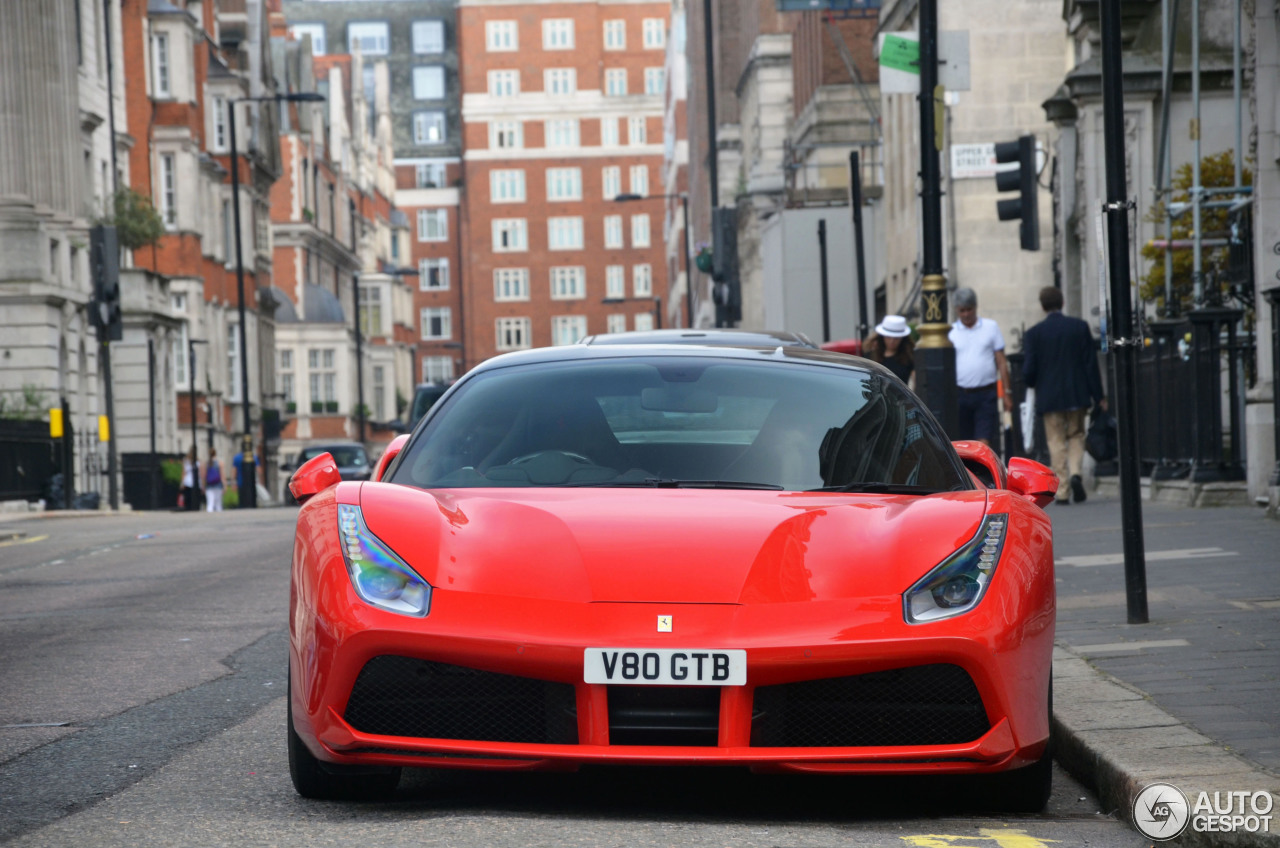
666, 666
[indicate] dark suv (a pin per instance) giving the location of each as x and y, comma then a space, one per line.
424, 397
352, 460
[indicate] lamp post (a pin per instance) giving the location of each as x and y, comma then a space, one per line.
191, 384
688, 267
249, 497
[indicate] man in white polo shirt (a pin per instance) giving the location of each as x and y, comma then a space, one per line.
980, 368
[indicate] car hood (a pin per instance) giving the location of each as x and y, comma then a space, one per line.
669, 545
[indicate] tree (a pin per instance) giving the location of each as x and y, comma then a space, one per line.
137, 222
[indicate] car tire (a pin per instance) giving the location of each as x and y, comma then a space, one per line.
328, 782
1027, 789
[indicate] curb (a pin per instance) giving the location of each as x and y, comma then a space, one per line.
1111, 736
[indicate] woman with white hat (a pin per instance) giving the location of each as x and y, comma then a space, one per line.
890, 345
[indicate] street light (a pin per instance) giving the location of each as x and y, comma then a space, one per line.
688, 267
249, 497
191, 384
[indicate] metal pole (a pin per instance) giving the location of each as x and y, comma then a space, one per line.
151, 406
195, 446
111, 101
1125, 346
935, 357
688, 266
1235, 88
1164, 167
1197, 274
1273, 297
822, 262
68, 457
855, 200
249, 493
713, 155
657, 312
355, 289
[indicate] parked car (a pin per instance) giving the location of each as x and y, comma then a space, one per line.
351, 459
424, 397
759, 338
674, 555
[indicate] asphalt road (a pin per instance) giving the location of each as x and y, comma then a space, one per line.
142, 674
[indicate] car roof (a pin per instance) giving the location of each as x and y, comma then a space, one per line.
764, 338
746, 353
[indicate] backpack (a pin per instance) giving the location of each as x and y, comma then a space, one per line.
213, 477
1101, 439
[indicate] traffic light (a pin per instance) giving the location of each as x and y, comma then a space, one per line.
104, 260
726, 291
1023, 181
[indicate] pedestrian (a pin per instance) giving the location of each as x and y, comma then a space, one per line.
981, 371
190, 491
213, 484
890, 344
1061, 364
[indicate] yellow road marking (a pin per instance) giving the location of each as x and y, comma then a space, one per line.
1002, 838
23, 541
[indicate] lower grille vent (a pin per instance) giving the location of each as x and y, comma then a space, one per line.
664, 715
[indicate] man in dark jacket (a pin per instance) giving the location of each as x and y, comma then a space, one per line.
1062, 366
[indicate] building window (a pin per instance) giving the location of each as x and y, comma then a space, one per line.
637, 131
513, 333
181, 353
500, 36
562, 133
506, 135
557, 34
369, 38
568, 283
437, 369
654, 80
615, 35
609, 132
560, 82
511, 284
510, 234
287, 388
504, 83
615, 323
428, 36
564, 233
219, 124
644, 322
316, 31
564, 184
437, 322
433, 225
371, 310
615, 282
642, 281
506, 186
611, 178
228, 234
613, 231
168, 190
640, 179
233, 363
655, 33
568, 329
428, 82
429, 175
433, 275
428, 127
615, 82
322, 378
640, 230
160, 64
379, 393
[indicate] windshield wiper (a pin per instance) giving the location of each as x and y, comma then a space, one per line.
880, 488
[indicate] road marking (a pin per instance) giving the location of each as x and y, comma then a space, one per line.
1010, 837
35, 724
23, 541
1251, 606
1120, 647
1150, 556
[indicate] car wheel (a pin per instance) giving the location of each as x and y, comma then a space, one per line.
1027, 790
326, 781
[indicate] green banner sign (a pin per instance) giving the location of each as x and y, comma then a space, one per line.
901, 54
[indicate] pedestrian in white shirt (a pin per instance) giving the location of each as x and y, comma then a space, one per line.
981, 368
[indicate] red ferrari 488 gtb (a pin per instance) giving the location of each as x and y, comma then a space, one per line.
669, 555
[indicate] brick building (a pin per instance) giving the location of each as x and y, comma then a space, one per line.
562, 119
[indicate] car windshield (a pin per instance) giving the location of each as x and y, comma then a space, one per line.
346, 456
674, 421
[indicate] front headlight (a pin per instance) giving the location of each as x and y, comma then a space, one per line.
379, 576
959, 581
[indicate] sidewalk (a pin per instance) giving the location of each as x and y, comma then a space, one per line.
1191, 698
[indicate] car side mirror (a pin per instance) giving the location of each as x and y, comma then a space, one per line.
1035, 482
983, 463
314, 476
393, 449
